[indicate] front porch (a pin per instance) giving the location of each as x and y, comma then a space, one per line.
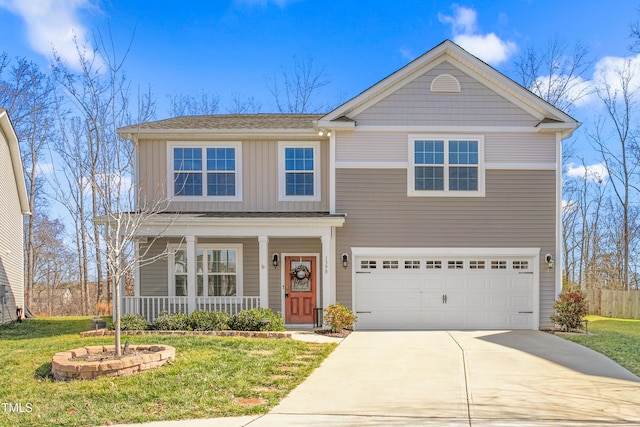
215, 262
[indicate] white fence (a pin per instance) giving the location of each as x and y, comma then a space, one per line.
152, 307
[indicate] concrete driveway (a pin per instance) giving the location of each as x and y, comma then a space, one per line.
461, 378
458, 378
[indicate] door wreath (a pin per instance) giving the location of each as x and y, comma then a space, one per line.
300, 278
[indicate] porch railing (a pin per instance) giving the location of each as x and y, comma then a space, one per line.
152, 307
231, 305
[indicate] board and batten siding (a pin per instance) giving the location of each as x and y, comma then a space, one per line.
499, 148
415, 105
11, 235
518, 211
260, 180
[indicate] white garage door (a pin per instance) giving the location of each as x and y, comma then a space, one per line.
445, 292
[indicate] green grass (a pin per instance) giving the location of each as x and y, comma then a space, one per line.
206, 379
618, 339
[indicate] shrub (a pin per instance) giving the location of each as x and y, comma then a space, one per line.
171, 322
570, 308
133, 322
209, 320
339, 317
257, 319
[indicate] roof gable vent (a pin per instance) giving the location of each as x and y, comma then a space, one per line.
445, 83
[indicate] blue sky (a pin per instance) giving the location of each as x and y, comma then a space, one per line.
230, 47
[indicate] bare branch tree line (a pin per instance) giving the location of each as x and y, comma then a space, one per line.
73, 115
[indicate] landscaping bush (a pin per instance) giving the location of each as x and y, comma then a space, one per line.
339, 317
257, 319
133, 322
171, 322
570, 308
209, 320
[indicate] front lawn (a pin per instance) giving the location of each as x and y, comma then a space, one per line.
618, 339
211, 377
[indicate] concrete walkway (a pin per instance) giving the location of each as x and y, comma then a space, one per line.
460, 378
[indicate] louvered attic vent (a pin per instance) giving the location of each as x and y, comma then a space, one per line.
445, 83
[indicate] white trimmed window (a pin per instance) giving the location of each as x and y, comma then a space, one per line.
299, 171
445, 166
210, 171
218, 270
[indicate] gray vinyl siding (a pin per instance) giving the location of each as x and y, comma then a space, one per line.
500, 148
260, 181
11, 228
518, 211
154, 280
415, 105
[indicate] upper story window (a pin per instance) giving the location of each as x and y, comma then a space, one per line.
445, 166
205, 171
299, 171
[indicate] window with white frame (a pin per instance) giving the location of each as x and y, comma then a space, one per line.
299, 170
211, 170
218, 270
445, 166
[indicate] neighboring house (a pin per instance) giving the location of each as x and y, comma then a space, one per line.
13, 194
430, 200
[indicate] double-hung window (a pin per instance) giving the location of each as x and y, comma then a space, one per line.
445, 166
211, 171
218, 270
299, 170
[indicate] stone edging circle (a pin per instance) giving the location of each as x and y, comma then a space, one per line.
245, 334
64, 369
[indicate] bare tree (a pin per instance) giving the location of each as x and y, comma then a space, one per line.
295, 90
202, 104
556, 74
620, 152
243, 105
28, 94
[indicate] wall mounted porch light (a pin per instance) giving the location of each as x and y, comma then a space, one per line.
345, 259
275, 259
548, 258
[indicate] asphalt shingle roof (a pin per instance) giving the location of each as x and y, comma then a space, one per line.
231, 122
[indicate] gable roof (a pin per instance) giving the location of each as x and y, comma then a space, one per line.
221, 124
549, 117
16, 161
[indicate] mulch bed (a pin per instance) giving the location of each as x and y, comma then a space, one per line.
328, 333
110, 355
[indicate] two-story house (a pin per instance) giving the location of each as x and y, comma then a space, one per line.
430, 200
15, 204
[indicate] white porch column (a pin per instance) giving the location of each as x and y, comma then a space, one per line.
191, 273
263, 260
328, 291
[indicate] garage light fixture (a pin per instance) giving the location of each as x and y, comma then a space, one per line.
345, 259
548, 258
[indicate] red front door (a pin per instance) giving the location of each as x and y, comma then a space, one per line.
300, 289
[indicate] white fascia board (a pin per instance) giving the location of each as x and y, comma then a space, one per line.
242, 227
336, 125
523, 252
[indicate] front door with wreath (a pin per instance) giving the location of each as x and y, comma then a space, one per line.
300, 289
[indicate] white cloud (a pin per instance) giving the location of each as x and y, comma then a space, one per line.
608, 72
488, 47
597, 172
52, 24
43, 168
562, 91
